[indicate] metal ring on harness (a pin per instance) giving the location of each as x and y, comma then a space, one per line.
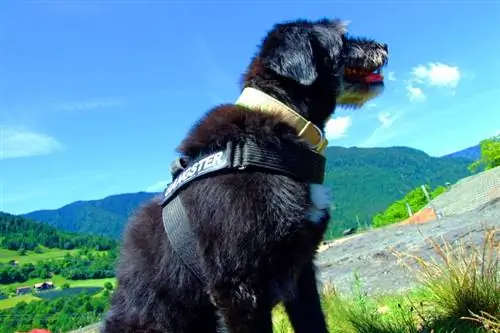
178, 165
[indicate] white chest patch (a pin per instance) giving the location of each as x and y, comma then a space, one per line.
321, 197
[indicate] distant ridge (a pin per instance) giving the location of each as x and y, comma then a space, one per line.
472, 153
105, 216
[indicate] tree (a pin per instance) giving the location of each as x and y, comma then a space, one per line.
108, 285
490, 154
60, 315
38, 249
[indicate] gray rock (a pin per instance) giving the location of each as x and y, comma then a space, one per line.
369, 254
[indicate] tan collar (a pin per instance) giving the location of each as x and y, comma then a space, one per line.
256, 99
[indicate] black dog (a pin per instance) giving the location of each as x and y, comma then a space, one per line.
256, 232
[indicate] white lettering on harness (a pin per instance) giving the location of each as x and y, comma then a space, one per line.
210, 163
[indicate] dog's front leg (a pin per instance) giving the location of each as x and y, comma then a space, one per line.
242, 309
304, 309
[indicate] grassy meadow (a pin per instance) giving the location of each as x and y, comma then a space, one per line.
33, 257
95, 287
91, 286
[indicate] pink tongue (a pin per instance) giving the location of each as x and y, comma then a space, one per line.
374, 78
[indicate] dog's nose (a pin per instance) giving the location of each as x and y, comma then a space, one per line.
385, 47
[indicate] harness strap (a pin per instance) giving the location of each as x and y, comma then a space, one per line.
181, 237
288, 159
292, 160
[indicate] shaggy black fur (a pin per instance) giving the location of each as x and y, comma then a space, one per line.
254, 241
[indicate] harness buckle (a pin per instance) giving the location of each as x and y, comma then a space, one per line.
236, 153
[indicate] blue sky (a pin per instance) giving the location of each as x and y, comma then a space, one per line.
95, 95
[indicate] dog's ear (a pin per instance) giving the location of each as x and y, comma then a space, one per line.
289, 53
293, 59
294, 55
330, 35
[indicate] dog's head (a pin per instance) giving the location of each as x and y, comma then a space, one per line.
315, 66
363, 61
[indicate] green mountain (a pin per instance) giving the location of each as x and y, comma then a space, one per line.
472, 153
102, 217
21, 233
364, 180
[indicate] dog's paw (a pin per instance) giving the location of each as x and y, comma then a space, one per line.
321, 196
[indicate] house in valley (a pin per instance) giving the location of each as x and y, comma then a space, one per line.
23, 290
46, 285
13, 262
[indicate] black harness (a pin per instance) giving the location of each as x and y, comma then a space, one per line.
289, 159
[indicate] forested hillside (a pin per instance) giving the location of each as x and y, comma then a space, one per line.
472, 153
365, 181
20, 233
39, 263
58, 315
102, 217
70, 255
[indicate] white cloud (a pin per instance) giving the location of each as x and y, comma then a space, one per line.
17, 143
386, 131
415, 94
158, 186
391, 76
89, 104
387, 119
436, 74
337, 127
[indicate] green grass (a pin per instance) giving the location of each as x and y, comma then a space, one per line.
59, 281
11, 302
32, 257
91, 283
94, 286
460, 293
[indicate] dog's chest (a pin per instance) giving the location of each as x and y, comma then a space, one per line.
321, 198
283, 290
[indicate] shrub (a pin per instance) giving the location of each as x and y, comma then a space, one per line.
463, 288
398, 211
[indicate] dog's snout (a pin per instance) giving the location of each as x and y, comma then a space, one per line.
385, 47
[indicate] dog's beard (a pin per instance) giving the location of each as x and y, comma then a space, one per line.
360, 85
362, 72
355, 95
